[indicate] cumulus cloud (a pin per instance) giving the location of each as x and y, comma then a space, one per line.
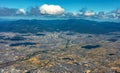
101, 13
34, 11
114, 14
117, 11
51, 9
21, 11
4, 11
86, 12
89, 13
56, 11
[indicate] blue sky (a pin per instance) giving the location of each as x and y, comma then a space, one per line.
68, 5
94, 9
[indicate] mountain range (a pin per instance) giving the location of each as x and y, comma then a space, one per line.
74, 25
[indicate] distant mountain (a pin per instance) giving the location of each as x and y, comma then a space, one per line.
3, 19
75, 25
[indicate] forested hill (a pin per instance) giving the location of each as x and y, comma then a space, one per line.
75, 25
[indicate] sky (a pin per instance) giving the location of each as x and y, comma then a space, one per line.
68, 5
64, 6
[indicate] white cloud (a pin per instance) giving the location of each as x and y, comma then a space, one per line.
75, 14
4, 11
21, 11
89, 13
117, 11
51, 9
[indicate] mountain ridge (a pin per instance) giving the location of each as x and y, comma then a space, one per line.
75, 25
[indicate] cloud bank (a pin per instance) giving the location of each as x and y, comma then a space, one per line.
21, 11
51, 9
34, 11
4, 11
56, 11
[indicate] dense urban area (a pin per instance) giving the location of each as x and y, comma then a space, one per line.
59, 52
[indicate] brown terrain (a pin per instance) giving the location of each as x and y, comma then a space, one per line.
59, 52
